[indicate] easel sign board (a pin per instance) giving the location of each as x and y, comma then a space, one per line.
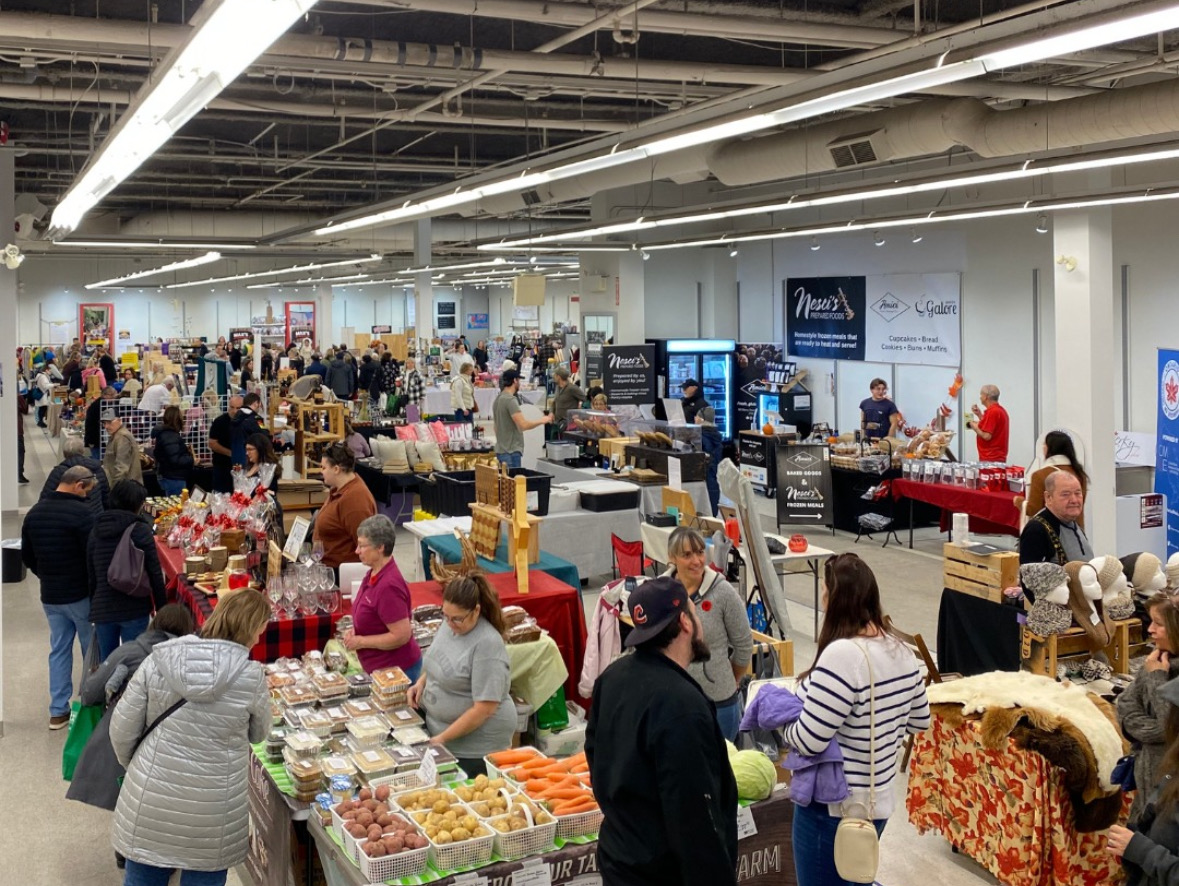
804, 485
295, 539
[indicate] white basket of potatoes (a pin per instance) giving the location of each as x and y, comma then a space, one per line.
458, 839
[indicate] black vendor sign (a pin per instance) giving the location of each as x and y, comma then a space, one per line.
629, 374
804, 485
825, 317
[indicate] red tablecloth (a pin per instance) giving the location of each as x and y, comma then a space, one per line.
990, 512
289, 637
555, 605
171, 561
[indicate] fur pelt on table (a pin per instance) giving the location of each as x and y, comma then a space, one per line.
1071, 728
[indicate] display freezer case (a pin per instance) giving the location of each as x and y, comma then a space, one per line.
710, 362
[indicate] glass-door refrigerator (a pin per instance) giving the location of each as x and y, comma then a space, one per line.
709, 361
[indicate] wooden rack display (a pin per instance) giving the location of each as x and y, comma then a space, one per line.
317, 426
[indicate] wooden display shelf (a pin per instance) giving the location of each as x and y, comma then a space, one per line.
980, 575
1040, 654
316, 425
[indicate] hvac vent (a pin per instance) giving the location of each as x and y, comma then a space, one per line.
531, 197
853, 150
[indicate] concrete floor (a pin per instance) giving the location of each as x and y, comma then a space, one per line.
34, 811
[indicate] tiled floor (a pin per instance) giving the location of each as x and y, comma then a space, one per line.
46, 840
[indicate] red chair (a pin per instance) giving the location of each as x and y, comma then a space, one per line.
628, 557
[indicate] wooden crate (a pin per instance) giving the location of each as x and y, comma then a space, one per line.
608, 447
979, 575
784, 649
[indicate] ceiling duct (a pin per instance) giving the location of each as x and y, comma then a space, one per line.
934, 126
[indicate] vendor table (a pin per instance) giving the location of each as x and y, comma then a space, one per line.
286, 637
650, 498
393, 493
278, 823
1008, 810
555, 605
976, 636
450, 550
765, 858
847, 493
992, 513
171, 563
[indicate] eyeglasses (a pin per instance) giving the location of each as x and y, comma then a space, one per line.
457, 620
360, 545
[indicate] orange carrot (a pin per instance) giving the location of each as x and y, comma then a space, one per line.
537, 762
561, 777
503, 759
575, 807
562, 793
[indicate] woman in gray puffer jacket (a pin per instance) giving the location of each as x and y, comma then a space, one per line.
1142, 709
184, 798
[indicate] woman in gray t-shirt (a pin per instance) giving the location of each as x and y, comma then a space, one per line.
466, 676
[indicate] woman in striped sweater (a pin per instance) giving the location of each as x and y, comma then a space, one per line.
836, 693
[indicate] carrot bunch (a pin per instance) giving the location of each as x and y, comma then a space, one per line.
515, 757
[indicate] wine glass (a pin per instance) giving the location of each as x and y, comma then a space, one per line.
308, 601
274, 591
305, 554
329, 600
290, 596
317, 550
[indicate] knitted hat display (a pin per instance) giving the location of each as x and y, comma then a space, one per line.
1040, 578
1083, 590
1173, 571
1116, 598
1145, 572
1093, 669
1108, 569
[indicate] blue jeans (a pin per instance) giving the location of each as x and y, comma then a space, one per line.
715, 449
65, 620
170, 486
511, 459
813, 835
462, 415
413, 672
145, 875
728, 715
96, 453
111, 634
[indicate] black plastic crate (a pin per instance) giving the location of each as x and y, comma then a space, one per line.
429, 499
456, 490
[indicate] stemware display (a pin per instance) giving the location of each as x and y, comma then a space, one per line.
274, 592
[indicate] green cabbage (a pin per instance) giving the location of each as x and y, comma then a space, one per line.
755, 774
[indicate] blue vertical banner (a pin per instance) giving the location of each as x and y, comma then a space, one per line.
1166, 470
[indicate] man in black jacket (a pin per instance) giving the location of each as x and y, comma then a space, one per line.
1054, 535
53, 546
657, 757
245, 424
73, 453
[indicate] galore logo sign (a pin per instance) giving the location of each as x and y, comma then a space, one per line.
933, 308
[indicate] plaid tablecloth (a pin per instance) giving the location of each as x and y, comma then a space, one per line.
555, 605
289, 637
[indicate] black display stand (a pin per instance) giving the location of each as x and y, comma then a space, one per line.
848, 488
976, 636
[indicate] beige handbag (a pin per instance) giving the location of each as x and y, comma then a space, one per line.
857, 845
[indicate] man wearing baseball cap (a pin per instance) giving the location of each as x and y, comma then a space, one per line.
657, 757
510, 423
121, 459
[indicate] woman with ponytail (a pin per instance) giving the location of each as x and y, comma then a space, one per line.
463, 689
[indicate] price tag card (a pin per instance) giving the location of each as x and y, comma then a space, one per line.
469, 879
746, 827
674, 473
534, 873
428, 773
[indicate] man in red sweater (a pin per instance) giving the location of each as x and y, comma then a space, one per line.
991, 424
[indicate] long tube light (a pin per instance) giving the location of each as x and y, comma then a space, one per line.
151, 272
933, 217
307, 281
227, 36
275, 272
1125, 28
151, 244
1026, 169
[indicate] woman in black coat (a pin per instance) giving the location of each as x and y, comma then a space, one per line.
117, 616
96, 777
174, 461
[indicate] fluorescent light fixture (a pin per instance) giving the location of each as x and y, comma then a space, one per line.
940, 74
151, 272
227, 36
150, 244
934, 217
1021, 170
293, 269
307, 281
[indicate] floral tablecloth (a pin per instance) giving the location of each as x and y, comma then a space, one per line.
1008, 810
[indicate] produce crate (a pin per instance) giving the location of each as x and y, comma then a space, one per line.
494, 771
467, 854
581, 824
392, 867
456, 490
980, 575
529, 841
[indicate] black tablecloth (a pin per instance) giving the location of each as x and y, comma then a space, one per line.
382, 485
975, 636
847, 489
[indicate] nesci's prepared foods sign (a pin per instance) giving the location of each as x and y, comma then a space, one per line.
905, 318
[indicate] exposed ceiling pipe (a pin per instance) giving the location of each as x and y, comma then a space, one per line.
101, 96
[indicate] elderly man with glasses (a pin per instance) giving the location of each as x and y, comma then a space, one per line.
53, 546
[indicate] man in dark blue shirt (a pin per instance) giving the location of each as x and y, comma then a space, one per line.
879, 416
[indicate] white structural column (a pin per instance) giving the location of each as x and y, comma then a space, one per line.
325, 327
423, 289
613, 283
8, 281
1085, 363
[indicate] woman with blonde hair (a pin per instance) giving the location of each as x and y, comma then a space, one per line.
1142, 708
462, 393
466, 676
183, 730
